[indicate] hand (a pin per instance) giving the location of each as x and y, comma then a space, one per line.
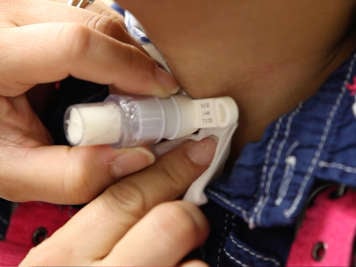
127, 226
44, 41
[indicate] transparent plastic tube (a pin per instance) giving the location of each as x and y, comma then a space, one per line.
125, 121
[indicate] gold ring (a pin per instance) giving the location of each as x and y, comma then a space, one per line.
80, 3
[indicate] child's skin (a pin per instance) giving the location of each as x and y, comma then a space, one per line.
268, 55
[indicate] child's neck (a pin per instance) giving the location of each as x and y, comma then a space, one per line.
280, 89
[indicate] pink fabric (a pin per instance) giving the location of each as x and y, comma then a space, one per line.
26, 218
331, 221
352, 87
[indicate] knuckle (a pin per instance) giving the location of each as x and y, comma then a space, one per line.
165, 218
107, 24
131, 57
140, 61
136, 60
78, 182
80, 193
110, 13
180, 173
76, 40
126, 197
100, 23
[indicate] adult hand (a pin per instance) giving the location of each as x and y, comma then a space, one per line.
44, 41
127, 226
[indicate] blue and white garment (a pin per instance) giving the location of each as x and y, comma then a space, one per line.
254, 206
136, 30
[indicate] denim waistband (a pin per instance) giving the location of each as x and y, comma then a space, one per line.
269, 184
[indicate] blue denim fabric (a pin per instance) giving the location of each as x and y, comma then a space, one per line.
232, 243
254, 206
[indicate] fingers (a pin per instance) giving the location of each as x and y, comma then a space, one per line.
64, 175
172, 230
122, 205
52, 51
194, 263
49, 52
162, 238
101, 18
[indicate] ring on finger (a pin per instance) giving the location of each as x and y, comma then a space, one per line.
80, 3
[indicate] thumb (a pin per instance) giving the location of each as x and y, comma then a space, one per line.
65, 175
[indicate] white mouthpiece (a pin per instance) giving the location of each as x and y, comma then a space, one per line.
93, 124
126, 121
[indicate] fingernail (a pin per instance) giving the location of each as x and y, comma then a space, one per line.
131, 160
168, 85
202, 152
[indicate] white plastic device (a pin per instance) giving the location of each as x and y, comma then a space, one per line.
125, 121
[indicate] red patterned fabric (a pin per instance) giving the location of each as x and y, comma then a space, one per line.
26, 219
